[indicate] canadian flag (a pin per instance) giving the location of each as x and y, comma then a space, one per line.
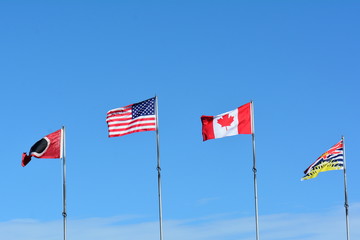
238, 121
49, 146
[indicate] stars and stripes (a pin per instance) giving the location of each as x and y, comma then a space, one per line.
137, 117
333, 159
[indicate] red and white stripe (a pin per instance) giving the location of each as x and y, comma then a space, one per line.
120, 122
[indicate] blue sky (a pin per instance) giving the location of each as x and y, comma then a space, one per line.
69, 62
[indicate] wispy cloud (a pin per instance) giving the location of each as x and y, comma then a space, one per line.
204, 201
289, 226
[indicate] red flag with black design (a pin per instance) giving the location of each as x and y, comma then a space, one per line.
49, 146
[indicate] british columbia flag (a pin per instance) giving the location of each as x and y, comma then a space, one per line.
333, 159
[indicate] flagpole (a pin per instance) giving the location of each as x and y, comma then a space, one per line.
346, 205
158, 167
64, 181
255, 171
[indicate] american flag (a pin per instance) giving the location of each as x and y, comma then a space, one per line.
333, 159
137, 117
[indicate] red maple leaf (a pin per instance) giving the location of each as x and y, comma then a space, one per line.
226, 121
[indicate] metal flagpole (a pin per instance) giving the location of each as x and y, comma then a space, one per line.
64, 180
254, 170
346, 205
158, 167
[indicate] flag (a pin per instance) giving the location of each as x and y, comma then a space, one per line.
137, 117
238, 121
333, 159
49, 146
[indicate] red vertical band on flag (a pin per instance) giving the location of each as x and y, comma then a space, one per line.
244, 116
207, 127
54, 148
